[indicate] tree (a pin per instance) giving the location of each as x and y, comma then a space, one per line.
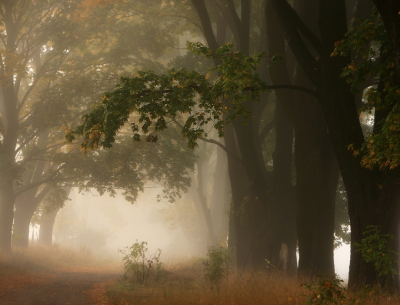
249, 144
65, 72
371, 194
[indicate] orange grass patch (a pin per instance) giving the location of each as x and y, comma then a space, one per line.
185, 285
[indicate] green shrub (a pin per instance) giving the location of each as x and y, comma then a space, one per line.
373, 250
218, 266
139, 264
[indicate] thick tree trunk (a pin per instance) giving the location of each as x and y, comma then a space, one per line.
371, 195
46, 228
317, 175
258, 203
25, 206
240, 235
8, 174
316, 182
9, 101
283, 229
7, 199
283, 225
8, 168
382, 212
22, 219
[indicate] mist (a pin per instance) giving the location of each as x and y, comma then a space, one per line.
120, 224
199, 151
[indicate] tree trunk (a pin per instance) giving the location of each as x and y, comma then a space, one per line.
25, 207
22, 219
7, 199
371, 194
9, 101
317, 177
316, 170
258, 204
240, 235
218, 199
46, 228
282, 239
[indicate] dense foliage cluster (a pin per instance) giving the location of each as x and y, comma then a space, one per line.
160, 98
373, 65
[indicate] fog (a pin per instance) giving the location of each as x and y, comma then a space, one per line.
119, 224
251, 137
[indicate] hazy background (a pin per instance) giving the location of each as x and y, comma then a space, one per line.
102, 225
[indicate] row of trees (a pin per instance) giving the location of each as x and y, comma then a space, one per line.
285, 154
56, 58
322, 109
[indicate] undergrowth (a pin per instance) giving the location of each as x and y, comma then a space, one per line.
184, 283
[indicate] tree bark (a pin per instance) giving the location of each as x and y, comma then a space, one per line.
22, 220
240, 234
27, 203
46, 228
283, 237
7, 199
317, 176
8, 99
283, 241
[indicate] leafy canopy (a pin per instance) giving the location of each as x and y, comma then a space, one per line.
159, 98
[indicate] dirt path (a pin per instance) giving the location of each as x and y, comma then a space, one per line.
74, 288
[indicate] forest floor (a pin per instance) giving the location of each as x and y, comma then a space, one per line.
62, 276
55, 276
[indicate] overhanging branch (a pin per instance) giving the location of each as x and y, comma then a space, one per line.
213, 142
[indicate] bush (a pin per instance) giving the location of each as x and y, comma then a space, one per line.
373, 250
218, 265
326, 291
139, 265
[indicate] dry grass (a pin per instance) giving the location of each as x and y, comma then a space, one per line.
181, 283
184, 284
